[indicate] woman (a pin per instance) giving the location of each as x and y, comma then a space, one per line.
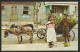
51, 34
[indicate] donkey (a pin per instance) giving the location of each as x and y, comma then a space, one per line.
66, 32
19, 31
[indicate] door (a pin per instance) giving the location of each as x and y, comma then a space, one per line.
13, 16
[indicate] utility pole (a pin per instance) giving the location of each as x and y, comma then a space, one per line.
36, 15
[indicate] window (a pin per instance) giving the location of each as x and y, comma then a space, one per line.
26, 10
14, 9
3, 11
2, 7
76, 11
76, 8
54, 9
14, 16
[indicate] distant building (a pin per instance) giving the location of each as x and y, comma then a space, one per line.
59, 8
24, 11
14, 11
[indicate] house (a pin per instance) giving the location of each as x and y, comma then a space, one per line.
17, 11
59, 8
24, 11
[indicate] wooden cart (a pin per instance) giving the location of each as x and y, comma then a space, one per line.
41, 33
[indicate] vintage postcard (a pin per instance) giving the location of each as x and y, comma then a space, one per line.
39, 26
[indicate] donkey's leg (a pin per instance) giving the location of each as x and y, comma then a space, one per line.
66, 44
65, 41
31, 37
21, 39
18, 39
68, 37
68, 40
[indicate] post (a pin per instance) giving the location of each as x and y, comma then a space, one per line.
36, 15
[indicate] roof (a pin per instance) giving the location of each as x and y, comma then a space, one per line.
19, 3
61, 3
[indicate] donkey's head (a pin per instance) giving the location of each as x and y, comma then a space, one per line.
6, 33
12, 26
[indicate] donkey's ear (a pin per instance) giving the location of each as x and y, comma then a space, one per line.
13, 24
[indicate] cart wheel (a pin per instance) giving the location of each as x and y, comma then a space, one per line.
41, 33
72, 35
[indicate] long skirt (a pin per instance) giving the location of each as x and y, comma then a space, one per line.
51, 35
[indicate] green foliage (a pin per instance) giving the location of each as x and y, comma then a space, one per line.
66, 44
70, 20
57, 20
